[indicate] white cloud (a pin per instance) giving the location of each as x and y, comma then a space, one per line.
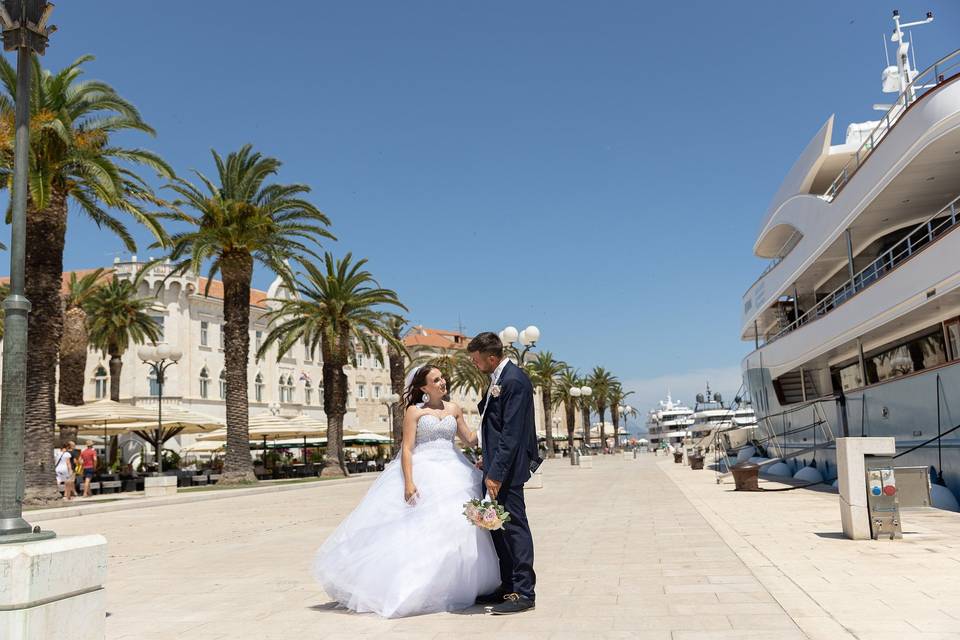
683, 387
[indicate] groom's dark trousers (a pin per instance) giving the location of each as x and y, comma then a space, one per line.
509, 455
514, 545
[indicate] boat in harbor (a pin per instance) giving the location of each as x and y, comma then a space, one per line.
668, 424
855, 322
713, 419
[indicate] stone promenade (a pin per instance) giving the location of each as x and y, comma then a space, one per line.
628, 549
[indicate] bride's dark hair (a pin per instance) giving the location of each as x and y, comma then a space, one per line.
414, 395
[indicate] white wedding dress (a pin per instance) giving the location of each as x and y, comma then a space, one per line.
396, 559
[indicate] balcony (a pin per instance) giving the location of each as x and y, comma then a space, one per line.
918, 239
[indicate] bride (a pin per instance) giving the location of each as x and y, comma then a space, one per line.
407, 549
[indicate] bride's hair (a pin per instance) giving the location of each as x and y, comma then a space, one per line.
414, 395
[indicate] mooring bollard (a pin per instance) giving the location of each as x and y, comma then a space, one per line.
678, 457
696, 461
746, 476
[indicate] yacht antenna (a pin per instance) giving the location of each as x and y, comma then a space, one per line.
903, 59
886, 52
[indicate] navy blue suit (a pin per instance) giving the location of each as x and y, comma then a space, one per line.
510, 455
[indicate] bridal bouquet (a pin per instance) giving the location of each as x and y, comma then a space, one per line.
486, 514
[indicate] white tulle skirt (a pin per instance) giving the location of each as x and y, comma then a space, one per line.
396, 560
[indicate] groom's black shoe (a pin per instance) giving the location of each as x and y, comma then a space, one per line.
496, 597
512, 603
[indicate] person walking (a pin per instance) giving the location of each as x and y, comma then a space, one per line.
64, 470
89, 458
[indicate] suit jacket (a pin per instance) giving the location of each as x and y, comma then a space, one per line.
509, 430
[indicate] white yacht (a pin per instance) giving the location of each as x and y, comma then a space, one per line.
855, 322
711, 417
669, 423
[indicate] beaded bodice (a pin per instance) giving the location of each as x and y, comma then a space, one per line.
435, 432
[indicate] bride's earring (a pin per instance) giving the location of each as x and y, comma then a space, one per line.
426, 398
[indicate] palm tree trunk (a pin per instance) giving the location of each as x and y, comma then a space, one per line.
46, 231
335, 405
571, 412
586, 423
602, 411
237, 270
546, 393
615, 418
73, 357
116, 366
397, 376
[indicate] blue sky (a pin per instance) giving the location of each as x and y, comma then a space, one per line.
596, 169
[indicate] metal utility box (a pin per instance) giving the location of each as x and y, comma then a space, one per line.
913, 487
883, 502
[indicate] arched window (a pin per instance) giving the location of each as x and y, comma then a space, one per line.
307, 393
258, 388
283, 388
223, 384
204, 383
100, 382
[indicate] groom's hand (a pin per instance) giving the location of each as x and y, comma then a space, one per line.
493, 488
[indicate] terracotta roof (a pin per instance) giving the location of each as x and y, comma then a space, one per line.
65, 277
257, 297
437, 338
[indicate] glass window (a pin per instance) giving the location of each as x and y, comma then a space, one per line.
258, 388
100, 383
154, 385
918, 354
953, 336
376, 391
850, 377
257, 341
361, 391
160, 328
307, 393
306, 352
223, 384
204, 383
221, 335
204, 332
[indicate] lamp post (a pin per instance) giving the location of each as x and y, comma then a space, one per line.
528, 338
624, 410
159, 359
584, 394
25, 30
391, 400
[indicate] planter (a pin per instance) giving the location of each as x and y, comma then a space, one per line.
158, 486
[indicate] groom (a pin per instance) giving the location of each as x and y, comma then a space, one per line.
510, 455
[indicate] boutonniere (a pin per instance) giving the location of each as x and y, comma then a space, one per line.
495, 391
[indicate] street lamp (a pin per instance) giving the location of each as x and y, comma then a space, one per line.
159, 359
528, 338
25, 30
624, 410
391, 400
584, 394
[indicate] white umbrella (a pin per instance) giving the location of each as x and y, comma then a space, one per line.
166, 423
367, 437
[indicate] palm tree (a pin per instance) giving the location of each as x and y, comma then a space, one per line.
566, 380
601, 380
545, 372
74, 343
457, 367
397, 356
339, 308
73, 159
237, 223
117, 318
615, 397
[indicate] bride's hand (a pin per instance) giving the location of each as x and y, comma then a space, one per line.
410, 494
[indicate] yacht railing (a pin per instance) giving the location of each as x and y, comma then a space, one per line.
914, 242
930, 78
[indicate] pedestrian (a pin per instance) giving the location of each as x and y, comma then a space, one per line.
64, 470
89, 458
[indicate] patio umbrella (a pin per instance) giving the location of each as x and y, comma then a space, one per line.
367, 437
99, 417
158, 428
